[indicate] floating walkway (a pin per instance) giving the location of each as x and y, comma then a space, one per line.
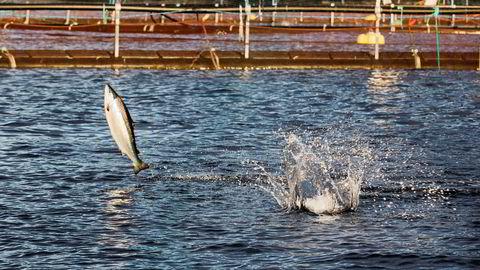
231, 60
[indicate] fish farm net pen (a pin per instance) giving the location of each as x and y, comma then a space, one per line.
252, 2
274, 26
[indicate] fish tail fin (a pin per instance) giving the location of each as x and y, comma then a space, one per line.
139, 166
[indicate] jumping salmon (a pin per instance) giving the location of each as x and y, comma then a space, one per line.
121, 127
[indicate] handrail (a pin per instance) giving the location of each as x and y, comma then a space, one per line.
418, 10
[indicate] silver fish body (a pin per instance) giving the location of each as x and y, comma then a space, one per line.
121, 127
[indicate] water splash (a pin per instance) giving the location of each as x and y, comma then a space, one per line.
323, 173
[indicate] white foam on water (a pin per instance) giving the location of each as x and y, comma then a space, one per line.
323, 173
322, 203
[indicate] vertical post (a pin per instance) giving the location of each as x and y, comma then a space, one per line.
162, 20
27, 16
478, 59
274, 14
301, 16
377, 28
105, 15
118, 7
401, 15
416, 58
342, 17
221, 14
248, 10
240, 26
453, 15
466, 15
332, 15
67, 19
392, 19
436, 13
216, 14
260, 14
183, 14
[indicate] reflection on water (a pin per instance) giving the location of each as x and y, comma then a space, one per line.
386, 94
327, 219
386, 81
118, 219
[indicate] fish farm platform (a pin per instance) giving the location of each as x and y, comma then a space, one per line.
214, 60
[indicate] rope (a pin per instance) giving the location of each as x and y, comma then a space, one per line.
11, 58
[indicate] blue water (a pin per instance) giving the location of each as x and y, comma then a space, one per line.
216, 141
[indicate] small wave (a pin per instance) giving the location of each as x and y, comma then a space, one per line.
206, 177
17, 124
441, 191
264, 180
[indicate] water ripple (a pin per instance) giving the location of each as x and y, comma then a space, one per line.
70, 199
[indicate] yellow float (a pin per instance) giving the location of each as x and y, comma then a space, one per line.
371, 38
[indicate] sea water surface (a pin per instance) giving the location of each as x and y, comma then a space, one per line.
224, 147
